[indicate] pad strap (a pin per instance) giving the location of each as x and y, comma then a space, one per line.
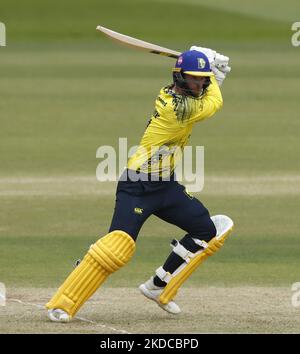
184, 253
181, 251
186, 269
163, 275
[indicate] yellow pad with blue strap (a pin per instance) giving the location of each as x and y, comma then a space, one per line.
107, 255
224, 226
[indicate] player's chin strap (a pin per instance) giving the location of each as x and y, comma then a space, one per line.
224, 226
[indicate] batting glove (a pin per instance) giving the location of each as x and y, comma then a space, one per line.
218, 62
219, 75
221, 62
211, 54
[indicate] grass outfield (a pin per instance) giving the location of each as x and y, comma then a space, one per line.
61, 113
65, 91
35, 251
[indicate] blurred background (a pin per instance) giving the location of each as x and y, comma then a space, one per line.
65, 90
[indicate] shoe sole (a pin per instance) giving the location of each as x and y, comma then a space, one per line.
59, 320
149, 296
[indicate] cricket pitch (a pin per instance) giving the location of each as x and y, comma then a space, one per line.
125, 310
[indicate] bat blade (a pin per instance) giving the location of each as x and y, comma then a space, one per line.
139, 44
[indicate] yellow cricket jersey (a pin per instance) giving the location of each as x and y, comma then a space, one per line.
169, 128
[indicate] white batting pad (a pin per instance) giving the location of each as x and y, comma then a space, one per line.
222, 223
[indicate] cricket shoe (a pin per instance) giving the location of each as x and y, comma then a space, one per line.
153, 292
58, 315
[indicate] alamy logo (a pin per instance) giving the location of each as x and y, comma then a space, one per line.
296, 295
2, 294
2, 35
152, 163
296, 35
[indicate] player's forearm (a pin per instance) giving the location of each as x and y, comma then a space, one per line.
214, 95
210, 104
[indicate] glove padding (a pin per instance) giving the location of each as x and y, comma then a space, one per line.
221, 62
218, 62
219, 75
211, 54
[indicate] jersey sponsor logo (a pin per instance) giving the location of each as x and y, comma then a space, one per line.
163, 160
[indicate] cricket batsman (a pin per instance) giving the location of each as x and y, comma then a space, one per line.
148, 186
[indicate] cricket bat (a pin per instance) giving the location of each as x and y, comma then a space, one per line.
138, 44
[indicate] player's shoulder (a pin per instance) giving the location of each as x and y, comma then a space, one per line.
166, 91
166, 96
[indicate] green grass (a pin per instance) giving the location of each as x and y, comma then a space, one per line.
34, 251
186, 21
58, 107
65, 90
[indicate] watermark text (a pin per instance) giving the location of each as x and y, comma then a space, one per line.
2, 294
296, 294
154, 163
2, 35
296, 36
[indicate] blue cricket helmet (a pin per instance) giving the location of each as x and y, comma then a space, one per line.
193, 62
